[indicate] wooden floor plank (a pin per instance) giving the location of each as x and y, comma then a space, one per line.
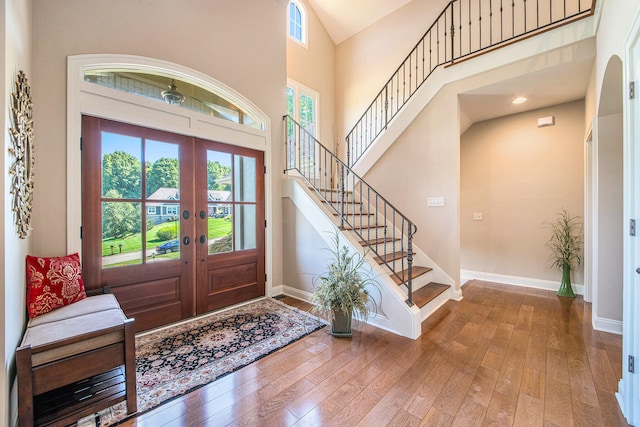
503, 355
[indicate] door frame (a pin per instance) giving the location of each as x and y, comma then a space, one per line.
628, 394
94, 100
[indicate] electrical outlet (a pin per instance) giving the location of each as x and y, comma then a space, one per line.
435, 201
477, 216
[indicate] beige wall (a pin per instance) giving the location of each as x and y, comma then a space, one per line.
423, 162
314, 67
518, 176
365, 61
610, 218
17, 48
304, 249
241, 44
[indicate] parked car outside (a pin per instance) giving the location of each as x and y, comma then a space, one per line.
168, 247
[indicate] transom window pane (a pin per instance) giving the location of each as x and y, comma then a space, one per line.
167, 89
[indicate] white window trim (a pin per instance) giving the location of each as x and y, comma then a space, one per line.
299, 89
305, 24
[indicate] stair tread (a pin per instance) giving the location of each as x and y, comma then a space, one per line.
329, 190
355, 213
416, 271
346, 202
362, 227
428, 293
377, 241
390, 257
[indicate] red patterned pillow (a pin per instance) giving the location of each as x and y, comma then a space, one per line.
53, 283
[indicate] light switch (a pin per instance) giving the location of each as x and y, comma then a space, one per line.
435, 201
477, 216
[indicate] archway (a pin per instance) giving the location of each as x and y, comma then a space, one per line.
608, 206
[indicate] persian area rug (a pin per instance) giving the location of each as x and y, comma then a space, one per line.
178, 359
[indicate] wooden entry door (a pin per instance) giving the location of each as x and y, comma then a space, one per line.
230, 264
171, 234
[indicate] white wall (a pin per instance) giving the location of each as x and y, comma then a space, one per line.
17, 44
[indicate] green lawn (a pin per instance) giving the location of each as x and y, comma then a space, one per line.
217, 227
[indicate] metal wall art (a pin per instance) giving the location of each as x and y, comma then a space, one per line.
22, 169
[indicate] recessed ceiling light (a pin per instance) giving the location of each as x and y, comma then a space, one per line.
519, 100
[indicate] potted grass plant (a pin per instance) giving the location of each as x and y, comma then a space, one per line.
341, 291
565, 244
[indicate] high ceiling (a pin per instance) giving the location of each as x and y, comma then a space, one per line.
555, 85
344, 18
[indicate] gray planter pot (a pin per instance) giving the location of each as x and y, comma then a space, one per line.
341, 324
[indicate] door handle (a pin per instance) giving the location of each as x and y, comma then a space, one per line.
638, 270
186, 240
203, 239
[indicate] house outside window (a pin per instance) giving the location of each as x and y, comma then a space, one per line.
297, 19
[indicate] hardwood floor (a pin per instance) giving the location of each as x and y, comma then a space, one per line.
504, 355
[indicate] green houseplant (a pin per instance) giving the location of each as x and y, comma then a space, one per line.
342, 291
565, 244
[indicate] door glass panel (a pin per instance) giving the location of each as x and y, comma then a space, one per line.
163, 240
244, 174
121, 180
219, 228
121, 165
245, 227
162, 172
219, 202
121, 233
218, 171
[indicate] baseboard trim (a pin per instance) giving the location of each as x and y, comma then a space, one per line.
607, 325
466, 275
375, 319
276, 290
296, 293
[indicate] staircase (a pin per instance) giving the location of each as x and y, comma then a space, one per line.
413, 286
386, 246
370, 223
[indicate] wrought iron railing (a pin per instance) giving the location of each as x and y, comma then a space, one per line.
464, 28
382, 228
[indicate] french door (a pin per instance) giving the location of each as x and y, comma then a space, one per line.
172, 225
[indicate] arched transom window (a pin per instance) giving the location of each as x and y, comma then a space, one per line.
169, 89
297, 22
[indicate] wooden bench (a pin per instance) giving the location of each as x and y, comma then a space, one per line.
75, 361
